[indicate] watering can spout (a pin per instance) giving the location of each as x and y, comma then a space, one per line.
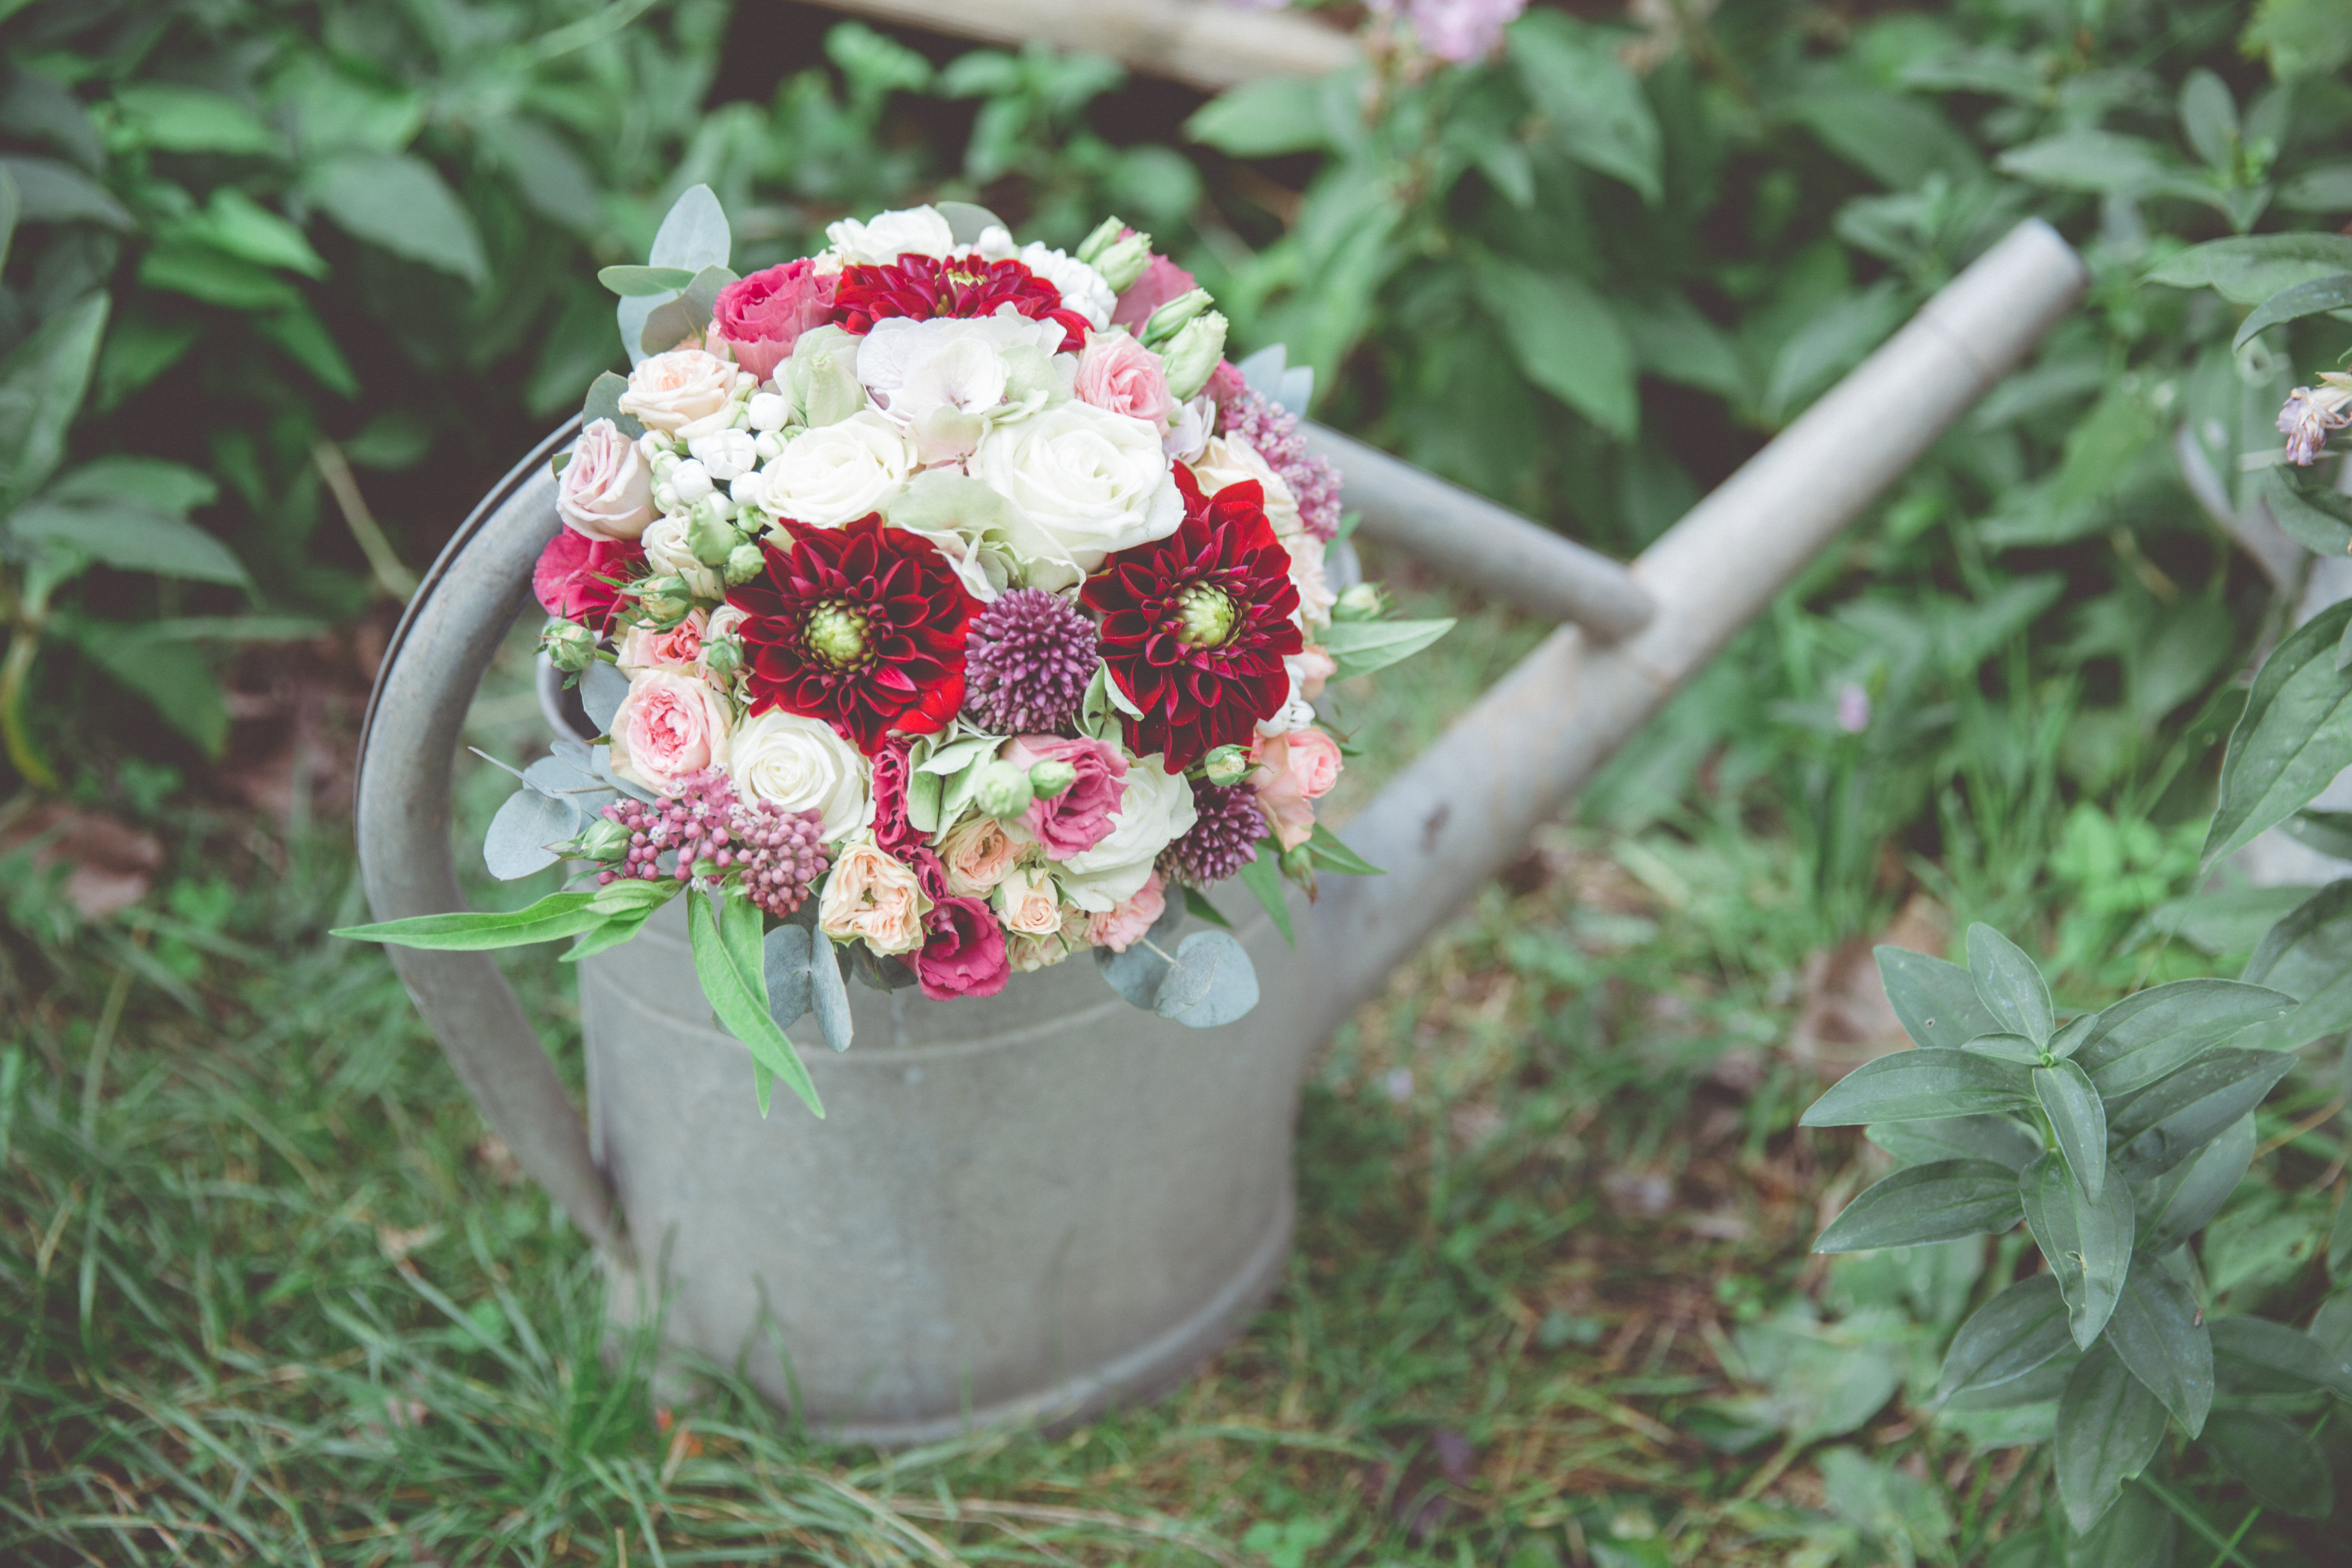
1461, 810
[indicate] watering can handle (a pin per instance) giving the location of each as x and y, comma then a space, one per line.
460, 614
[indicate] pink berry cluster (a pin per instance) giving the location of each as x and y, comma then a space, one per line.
1273, 431
696, 822
782, 853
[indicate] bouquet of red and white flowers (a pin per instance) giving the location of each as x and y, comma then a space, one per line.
951, 601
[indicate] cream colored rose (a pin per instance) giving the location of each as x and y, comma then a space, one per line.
666, 552
1227, 460
799, 763
870, 896
667, 392
977, 853
1307, 575
1156, 808
669, 726
1027, 902
886, 236
1083, 482
839, 472
604, 490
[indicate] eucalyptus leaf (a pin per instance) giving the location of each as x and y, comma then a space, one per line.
1212, 982
2009, 984
602, 687
2078, 1122
1936, 1001
829, 993
785, 963
2160, 1335
2087, 1245
2009, 1336
2283, 1468
2167, 1122
1926, 1084
2109, 1427
523, 833
1923, 1203
2294, 736
1137, 973
2001, 1139
693, 233
2156, 1032
604, 402
2178, 1203
967, 221
631, 282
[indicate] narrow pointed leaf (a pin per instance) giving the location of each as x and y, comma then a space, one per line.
2294, 736
2109, 1427
1263, 877
2316, 298
1936, 1001
2160, 1030
2009, 1336
2088, 1245
2009, 984
2159, 1333
2078, 1122
2014, 1049
2167, 1122
735, 998
1927, 1084
2308, 955
1999, 1139
2178, 1203
1923, 1203
556, 915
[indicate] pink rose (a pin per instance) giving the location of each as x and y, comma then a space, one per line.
964, 953
668, 726
1161, 281
1312, 667
604, 490
1293, 772
1119, 927
977, 854
679, 648
1028, 902
1078, 818
580, 578
1119, 374
760, 316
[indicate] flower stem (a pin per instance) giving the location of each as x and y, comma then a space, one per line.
16, 670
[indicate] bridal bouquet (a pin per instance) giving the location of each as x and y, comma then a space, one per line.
946, 602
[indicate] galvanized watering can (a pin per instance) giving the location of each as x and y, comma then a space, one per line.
1037, 1204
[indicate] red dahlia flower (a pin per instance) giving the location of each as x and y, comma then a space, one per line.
925, 288
862, 625
1196, 626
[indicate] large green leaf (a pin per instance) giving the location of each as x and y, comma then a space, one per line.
1936, 1001
1897, 140
51, 192
2278, 1464
2256, 1356
2316, 298
556, 915
2154, 1032
2088, 1245
2078, 1122
128, 536
2158, 1332
2109, 1427
1594, 106
1359, 647
398, 201
175, 119
2293, 737
2178, 1203
1923, 1203
2246, 270
735, 985
1266, 118
2009, 1336
41, 386
2167, 1122
1927, 1084
2010, 985
2308, 955
2315, 517
2001, 1139
1565, 339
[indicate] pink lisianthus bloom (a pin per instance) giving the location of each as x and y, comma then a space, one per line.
1225, 382
580, 578
1078, 818
1121, 926
963, 955
679, 648
891, 828
604, 490
668, 727
1162, 281
759, 317
1118, 374
1292, 772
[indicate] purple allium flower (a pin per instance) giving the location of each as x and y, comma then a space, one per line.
1028, 660
2309, 416
1226, 825
693, 822
780, 854
1273, 432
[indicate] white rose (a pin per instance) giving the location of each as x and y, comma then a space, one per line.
666, 551
838, 472
1083, 482
799, 763
1155, 810
886, 236
724, 455
945, 380
1226, 460
676, 389
605, 490
689, 482
1188, 437
1083, 289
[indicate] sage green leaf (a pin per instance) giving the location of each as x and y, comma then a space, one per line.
2078, 1122
1359, 647
2257, 1356
2160, 1335
1263, 877
1332, 855
693, 233
2283, 1468
2295, 735
399, 203
2009, 984
2167, 1122
2178, 1203
2014, 1049
2070, 1038
1927, 1084
2249, 269
616, 930
829, 993
1212, 982
602, 689
1999, 1139
2316, 298
523, 834
784, 964
2109, 1427
2009, 1336
1137, 973
967, 221
631, 282
604, 402
2088, 1245
1937, 1002
1923, 1203
736, 999
468, 930
2308, 955
41, 386
2316, 518
2156, 1032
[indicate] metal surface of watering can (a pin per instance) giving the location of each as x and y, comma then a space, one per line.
1037, 1205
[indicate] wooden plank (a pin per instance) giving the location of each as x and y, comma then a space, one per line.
1207, 43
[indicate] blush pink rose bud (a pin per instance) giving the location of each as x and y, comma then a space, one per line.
1079, 817
1119, 374
1123, 925
669, 727
1293, 771
679, 647
604, 490
760, 316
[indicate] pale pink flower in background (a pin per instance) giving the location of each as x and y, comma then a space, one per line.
1293, 772
876, 898
2310, 415
977, 854
604, 490
1853, 708
679, 648
1119, 374
1461, 30
669, 725
1119, 927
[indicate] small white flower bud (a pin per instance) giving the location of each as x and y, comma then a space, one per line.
665, 498
691, 481
767, 411
769, 447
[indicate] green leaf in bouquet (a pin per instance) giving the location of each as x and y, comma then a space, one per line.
2178, 1203
129, 537
1212, 982
469, 931
1137, 973
1936, 1001
2078, 1122
2293, 737
2109, 1427
2009, 1336
2156, 1032
2160, 1335
399, 203
602, 687
2316, 298
2308, 955
2246, 270
967, 221
693, 233
631, 282
785, 960
2254, 1356
1263, 877
1593, 105
1359, 647
1923, 1203
2001, 1139
2315, 517
41, 386
672, 320
2009, 984
2165, 1123
2087, 1245
1926, 1084
1197, 905
2283, 1468
737, 996
1332, 855
523, 836
1565, 340
828, 992
604, 402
